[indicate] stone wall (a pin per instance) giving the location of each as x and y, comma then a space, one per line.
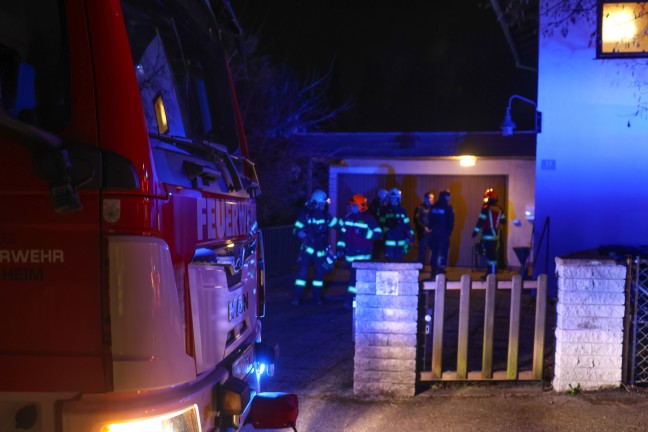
385, 329
589, 324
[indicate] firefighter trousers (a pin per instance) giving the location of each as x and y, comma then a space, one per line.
306, 261
490, 246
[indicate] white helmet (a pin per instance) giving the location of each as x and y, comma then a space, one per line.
319, 198
395, 193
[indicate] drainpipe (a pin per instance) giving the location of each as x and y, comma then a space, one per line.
507, 35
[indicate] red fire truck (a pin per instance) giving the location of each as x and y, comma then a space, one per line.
131, 268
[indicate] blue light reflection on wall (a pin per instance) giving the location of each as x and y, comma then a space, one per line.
597, 193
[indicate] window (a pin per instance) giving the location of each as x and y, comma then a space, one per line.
622, 29
181, 69
34, 70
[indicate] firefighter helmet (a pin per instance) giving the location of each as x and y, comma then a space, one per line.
395, 193
318, 198
490, 195
382, 194
361, 201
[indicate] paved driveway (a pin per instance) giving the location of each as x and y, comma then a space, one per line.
316, 363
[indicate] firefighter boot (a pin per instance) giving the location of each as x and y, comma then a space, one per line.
491, 269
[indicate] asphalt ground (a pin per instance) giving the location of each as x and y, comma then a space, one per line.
316, 363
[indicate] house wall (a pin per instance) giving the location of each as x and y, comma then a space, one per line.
521, 184
591, 174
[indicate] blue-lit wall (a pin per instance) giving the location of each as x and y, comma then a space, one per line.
592, 154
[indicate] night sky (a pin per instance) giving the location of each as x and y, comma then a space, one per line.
405, 66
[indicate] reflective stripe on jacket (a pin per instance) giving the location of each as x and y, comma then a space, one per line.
315, 223
489, 221
358, 231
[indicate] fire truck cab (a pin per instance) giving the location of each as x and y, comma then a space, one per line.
131, 267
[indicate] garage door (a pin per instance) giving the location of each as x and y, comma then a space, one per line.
467, 194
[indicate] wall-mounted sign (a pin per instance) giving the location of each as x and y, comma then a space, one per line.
386, 283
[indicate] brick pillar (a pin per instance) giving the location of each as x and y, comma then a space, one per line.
589, 324
385, 329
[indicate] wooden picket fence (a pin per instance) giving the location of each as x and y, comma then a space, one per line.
435, 371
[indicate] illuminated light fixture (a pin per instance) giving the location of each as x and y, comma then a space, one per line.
185, 420
260, 368
160, 115
529, 213
234, 396
623, 26
508, 125
266, 355
467, 161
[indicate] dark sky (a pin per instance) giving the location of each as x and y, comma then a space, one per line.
404, 65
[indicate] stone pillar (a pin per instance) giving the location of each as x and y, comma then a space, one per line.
589, 324
385, 329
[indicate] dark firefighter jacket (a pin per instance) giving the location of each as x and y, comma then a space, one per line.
358, 231
396, 226
315, 223
490, 219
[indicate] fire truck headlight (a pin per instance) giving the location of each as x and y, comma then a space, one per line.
234, 396
186, 420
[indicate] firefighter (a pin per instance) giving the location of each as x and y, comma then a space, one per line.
441, 223
395, 223
358, 232
488, 225
312, 227
379, 201
421, 223
375, 207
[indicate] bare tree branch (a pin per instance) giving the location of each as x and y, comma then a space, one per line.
561, 15
276, 103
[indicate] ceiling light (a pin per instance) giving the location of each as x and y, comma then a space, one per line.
467, 161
